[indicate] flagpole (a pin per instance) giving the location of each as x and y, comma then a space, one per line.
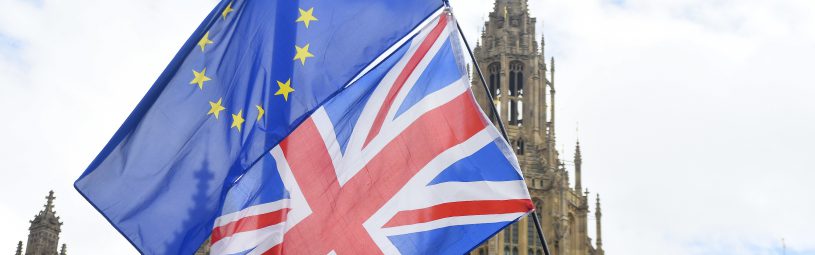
498, 117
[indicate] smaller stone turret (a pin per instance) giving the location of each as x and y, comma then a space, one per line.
43, 237
64, 250
598, 214
19, 248
578, 165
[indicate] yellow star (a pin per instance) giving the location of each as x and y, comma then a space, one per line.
227, 10
216, 108
204, 41
285, 89
261, 112
200, 78
302, 53
237, 120
306, 16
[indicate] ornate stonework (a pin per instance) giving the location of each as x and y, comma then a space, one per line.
516, 71
43, 237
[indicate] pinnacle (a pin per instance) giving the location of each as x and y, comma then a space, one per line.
577, 154
48, 215
49, 205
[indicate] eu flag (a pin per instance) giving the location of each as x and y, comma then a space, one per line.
250, 74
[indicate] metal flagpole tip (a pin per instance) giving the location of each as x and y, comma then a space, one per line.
447, 8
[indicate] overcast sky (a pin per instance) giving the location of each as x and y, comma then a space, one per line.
697, 117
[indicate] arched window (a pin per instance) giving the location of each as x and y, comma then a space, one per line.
512, 90
492, 83
516, 79
520, 146
515, 251
506, 249
495, 79
516, 89
495, 87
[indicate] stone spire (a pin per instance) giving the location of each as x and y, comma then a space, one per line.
578, 163
543, 45
43, 236
598, 214
64, 250
19, 248
551, 83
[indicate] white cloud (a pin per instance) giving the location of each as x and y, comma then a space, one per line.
83, 67
695, 115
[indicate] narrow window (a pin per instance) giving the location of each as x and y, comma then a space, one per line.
492, 84
515, 235
495, 83
512, 89
513, 112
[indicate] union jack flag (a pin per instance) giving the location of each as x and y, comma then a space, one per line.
403, 161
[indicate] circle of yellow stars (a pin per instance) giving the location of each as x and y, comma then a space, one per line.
302, 53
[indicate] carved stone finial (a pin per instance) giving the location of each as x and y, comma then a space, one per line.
49, 205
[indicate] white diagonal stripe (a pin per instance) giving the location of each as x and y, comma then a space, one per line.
252, 211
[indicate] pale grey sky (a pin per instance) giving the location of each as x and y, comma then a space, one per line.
696, 116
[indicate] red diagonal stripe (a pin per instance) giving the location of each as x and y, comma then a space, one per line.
338, 213
311, 163
431, 134
403, 76
250, 223
463, 208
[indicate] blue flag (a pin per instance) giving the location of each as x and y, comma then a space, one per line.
250, 74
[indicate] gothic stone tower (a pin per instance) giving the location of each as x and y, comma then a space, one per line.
43, 238
516, 72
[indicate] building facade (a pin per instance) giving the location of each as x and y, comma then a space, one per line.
43, 237
523, 88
